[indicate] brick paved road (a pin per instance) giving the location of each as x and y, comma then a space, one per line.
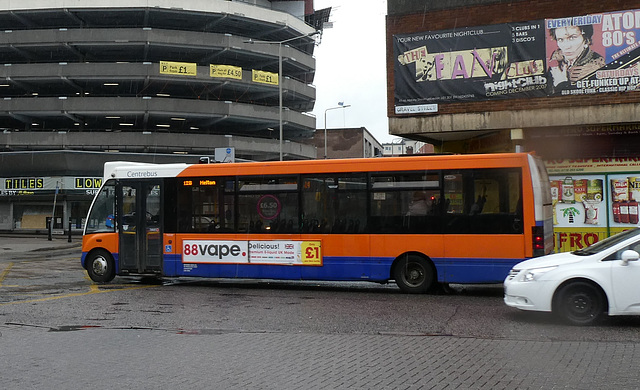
210, 359
262, 337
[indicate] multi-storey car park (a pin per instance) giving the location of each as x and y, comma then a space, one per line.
82, 80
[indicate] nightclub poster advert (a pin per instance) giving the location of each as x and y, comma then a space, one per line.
474, 63
575, 55
593, 53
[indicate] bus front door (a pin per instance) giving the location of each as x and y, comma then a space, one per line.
140, 228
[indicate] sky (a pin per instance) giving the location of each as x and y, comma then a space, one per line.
351, 67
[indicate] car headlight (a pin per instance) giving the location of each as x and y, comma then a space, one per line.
532, 274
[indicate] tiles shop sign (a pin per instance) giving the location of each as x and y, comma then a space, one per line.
42, 185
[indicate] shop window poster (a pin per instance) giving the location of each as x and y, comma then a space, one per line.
579, 201
625, 195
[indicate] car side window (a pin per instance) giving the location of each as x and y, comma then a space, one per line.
635, 246
617, 255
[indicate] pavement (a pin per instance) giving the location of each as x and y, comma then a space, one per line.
18, 244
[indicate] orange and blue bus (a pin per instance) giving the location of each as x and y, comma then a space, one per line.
420, 221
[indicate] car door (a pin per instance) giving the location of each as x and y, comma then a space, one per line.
625, 281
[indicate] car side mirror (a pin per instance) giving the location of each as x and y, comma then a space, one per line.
629, 255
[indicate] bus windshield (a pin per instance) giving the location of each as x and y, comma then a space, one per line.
102, 212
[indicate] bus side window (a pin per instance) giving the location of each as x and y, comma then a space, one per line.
268, 204
334, 204
318, 204
205, 205
405, 202
483, 201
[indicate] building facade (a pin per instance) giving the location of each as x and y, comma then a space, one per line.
356, 142
84, 82
404, 146
556, 78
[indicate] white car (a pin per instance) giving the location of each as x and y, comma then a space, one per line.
583, 286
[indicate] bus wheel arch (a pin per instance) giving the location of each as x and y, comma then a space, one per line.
101, 266
414, 273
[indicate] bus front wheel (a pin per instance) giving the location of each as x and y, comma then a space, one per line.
100, 266
414, 274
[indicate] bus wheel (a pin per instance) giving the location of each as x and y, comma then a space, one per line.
580, 303
413, 274
100, 266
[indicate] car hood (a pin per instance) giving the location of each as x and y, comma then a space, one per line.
550, 261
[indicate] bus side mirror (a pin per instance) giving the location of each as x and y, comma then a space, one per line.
629, 255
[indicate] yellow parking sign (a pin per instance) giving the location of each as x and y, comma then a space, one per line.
259, 76
178, 68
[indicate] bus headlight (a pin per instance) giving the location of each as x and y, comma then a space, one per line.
532, 274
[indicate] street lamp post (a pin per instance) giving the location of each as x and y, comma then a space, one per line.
325, 124
280, 76
280, 95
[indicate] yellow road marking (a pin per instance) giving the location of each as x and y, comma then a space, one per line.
93, 289
5, 272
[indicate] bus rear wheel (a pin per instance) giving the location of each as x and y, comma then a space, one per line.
100, 266
414, 274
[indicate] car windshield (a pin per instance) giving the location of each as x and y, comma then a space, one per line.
607, 243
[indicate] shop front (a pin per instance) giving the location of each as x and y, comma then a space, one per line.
593, 199
28, 203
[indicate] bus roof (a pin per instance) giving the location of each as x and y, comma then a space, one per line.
132, 170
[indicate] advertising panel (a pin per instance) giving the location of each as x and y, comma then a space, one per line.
579, 201
259, 76
208, 251
276, 252
471, 63
178, 68
579, 210
594, 53
593, 199
46, 185
225, 71
571, 239
592, 165
565, 56
625, 195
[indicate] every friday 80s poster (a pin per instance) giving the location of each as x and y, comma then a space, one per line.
583, 54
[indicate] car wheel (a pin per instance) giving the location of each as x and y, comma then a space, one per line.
100, 266
413, 274
580, 303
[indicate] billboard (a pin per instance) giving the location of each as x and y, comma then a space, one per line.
593, 53
473, 63
564, 56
